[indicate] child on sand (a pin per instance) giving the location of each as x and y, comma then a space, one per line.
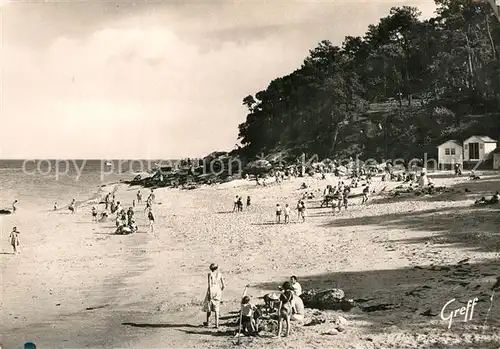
240, 204
148, 205
285, 308
151, 221
104, 216
248, 201
287, 213
235, 207
298, 209
14, 239
278, 213
94, 214
247, 316
123, 218
139, 197
345, 202
55, 206
14, 208
302, 210
130, 215
119, 207
366, 191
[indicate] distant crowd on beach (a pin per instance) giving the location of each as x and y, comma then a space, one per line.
124, 219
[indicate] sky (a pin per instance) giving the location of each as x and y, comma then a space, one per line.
153, 79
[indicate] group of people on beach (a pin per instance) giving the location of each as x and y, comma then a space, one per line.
285, 211
288, 304
125, 218
495, 199
238, 203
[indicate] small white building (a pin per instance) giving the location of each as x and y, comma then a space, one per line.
478, 148
449, 154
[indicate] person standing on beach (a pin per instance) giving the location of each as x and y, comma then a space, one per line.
106, 201
366, 191
235, 207
287, 213
249, 201
72, 206
285, 308
130, 215
14, 208
278, 213
345, 197
302, 210
55, 206
94, 214
14, 239
139, 197
151, 219
149, 205
240, 204
213, 296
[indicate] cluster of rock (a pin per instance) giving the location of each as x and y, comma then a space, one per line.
218, 167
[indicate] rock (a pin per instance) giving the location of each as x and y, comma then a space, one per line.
340, 321
332, 299
341, 328
428, 312
332, 332
317, 318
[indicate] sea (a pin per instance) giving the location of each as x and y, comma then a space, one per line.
41, 183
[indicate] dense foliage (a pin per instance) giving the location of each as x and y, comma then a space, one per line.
399, 91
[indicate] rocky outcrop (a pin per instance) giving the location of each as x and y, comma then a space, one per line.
332, 299
218, 167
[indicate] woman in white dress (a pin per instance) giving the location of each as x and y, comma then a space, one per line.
214, 294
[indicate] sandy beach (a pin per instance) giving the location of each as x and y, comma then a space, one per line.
77, 285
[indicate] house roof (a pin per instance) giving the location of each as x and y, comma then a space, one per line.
484, 139
496, 151
451, 140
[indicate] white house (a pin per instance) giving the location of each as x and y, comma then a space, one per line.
477, 148
449, 154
